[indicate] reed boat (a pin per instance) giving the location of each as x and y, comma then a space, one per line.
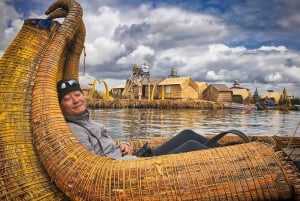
40, 159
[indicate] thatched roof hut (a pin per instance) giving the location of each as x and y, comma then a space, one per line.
202, 86
179, 88
217, 93
272, 96
153, 90
117, 90
241, 95
277, 97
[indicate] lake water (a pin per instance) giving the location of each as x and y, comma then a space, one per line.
149, 123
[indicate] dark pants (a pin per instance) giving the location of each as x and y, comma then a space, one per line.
186, 140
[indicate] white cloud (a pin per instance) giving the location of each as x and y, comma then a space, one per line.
102, 23
180, 27
293, 74
103, 50
211, 75
274, 77
10, 24
273, 48
221, 48
137, 56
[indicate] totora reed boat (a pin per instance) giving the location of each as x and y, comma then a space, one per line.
40, 159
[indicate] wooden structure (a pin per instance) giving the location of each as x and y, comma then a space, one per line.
42, 160
218, 93
139, 74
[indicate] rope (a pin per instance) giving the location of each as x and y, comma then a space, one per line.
293, 136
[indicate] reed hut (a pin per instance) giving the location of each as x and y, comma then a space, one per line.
178, 88
217, 93
278, 98
202, 86
241, 95
117, 90
272, 96
150, 89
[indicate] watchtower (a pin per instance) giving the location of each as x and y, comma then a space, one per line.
139, 73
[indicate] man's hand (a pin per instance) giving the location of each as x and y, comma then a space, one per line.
126, 149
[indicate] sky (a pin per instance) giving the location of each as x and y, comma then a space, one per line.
215, 41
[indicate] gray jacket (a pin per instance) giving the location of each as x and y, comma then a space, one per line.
94, 137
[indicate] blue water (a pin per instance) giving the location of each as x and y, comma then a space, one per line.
149, 123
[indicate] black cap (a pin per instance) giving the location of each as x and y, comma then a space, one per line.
66, 86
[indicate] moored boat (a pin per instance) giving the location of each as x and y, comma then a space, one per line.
239, 106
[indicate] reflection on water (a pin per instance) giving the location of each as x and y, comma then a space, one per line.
148, 123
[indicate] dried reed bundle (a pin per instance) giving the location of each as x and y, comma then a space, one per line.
166, 104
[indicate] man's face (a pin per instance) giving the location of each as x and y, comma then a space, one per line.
73, 104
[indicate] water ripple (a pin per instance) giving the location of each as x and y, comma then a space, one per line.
149, 123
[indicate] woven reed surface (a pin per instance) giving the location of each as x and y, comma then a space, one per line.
22, 176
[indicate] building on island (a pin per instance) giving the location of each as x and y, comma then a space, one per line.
241, 94
178, 88
217, 93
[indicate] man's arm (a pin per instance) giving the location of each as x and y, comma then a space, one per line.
126, 148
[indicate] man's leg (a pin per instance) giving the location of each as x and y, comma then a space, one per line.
190, 145
178, 140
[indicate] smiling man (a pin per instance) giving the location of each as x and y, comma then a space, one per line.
94, 137
90, 134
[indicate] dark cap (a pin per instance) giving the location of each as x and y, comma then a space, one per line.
66, 86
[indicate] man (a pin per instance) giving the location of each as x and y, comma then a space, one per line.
90, 134
94, 137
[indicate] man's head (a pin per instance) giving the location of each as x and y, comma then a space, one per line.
70, 97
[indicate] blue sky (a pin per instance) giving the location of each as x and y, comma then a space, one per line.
216, 41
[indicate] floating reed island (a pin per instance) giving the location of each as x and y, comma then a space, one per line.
160, 104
